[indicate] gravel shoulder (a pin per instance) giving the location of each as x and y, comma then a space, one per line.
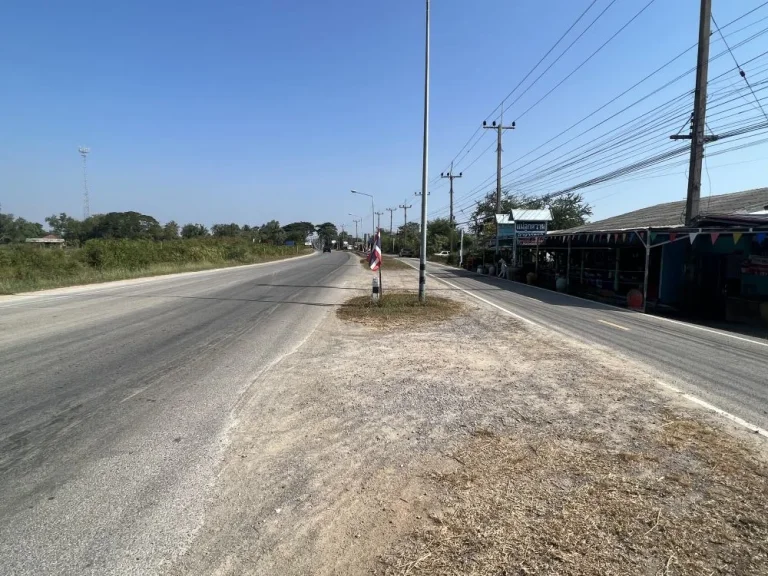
477, 444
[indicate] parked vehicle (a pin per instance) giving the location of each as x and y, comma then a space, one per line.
405, 253
442, 254
327, 248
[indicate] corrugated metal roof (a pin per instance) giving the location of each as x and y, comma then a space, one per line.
525, 216
672, 214
532, 215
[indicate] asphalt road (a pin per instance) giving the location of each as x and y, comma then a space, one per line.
725, 369
115, 402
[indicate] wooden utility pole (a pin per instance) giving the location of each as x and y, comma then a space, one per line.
450, 175
697, 136
499, 129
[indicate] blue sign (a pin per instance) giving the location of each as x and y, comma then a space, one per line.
290, 243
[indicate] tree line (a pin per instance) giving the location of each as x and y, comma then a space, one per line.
137, 226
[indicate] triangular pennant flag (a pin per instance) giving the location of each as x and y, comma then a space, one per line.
653, 236
714, 236
672, 236
607, 237
624, 237
692, 236
760, 237
736, 237
640, 235
589, 237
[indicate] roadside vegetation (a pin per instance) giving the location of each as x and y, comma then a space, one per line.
25, 268
120, 245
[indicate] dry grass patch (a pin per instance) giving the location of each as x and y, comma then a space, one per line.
388, 264
688, 500
398, 309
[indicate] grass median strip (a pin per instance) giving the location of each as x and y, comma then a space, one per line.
388, 264
398, 309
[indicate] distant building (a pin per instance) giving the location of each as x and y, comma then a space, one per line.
49, 241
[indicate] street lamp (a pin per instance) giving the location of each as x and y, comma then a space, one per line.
373, 209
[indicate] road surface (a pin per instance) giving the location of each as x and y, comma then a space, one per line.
115, 401
725, 369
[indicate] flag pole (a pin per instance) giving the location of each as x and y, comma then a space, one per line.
381, 285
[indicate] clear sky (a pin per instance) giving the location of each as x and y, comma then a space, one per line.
247, 111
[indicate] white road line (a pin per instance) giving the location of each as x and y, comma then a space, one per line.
614, 325
715, 409
531, 322
139, 391
690, 397
648, 316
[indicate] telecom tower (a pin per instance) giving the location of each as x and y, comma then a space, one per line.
86, 201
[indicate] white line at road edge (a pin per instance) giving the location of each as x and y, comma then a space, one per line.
690, 397
648, 316
708, 406
531, 322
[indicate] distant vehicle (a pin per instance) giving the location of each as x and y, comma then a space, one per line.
327, 248
443, 254
405, 253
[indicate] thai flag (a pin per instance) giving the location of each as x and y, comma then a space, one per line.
375, 257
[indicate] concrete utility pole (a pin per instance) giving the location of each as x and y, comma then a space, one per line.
391, 212
451, 176
356, 223
499, 130
697, 136
378, 221
405, 219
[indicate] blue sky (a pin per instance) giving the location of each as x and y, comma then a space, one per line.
255, 110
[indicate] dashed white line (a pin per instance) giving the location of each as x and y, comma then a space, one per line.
614, 325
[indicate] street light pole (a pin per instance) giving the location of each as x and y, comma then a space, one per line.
424, 167
373, 210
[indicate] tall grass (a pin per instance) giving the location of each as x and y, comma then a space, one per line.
25, 268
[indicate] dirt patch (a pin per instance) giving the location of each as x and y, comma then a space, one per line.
476, 445
398, 310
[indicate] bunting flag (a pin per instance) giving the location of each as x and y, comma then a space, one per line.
624, 237
692, 236
714, 236
616, 237
672, 236
736, 237
760, 237
640, 235
589, 237
653, 237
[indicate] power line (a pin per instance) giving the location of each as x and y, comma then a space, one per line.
741, 72
501, 104
687, 93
